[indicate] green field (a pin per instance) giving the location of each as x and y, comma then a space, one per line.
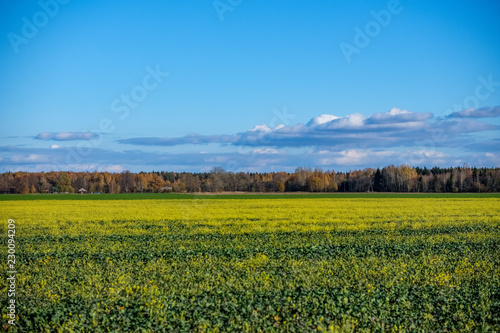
292, 195
336, 262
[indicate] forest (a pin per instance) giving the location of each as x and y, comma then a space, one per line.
392, 178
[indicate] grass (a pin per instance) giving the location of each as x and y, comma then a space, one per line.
300, 195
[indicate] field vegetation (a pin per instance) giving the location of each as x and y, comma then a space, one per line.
297, 264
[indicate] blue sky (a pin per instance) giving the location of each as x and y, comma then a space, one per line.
248, 85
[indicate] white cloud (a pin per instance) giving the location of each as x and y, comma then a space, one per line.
44, 135
427, 157
467, 126
261, 128
324, 118
430, 153
31, 158
54, 147
66, 136
396, 115
488, 112
354, 157
397, 111
351, 121
351, 157
113, 168
265, 151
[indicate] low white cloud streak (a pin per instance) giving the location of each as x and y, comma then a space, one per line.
488, 112
66, 136
396, 115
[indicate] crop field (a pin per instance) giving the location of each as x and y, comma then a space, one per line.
288, 264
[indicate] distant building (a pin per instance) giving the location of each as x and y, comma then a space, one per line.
166, 189
82, 191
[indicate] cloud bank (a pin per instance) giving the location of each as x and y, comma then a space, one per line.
395, 128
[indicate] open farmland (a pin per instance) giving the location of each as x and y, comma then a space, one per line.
292, 264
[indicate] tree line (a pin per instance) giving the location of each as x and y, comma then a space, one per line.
392, 178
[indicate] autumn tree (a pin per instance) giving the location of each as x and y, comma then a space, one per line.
314, 184
127, 182
64, 183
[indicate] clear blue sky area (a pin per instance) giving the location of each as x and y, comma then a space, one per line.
248, 85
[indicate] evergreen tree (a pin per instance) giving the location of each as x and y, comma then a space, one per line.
378, 181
